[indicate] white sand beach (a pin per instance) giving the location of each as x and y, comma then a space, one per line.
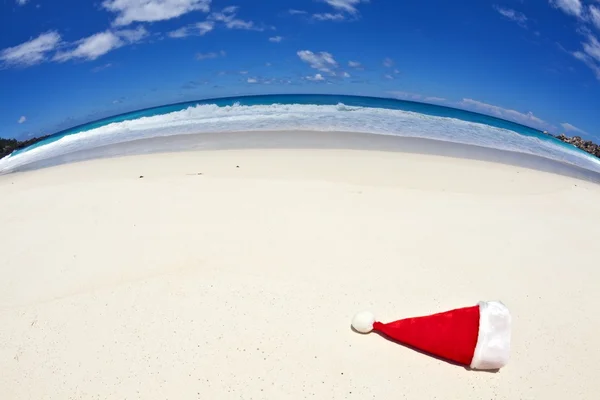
234, 274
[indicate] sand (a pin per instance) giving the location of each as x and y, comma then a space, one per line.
241, 282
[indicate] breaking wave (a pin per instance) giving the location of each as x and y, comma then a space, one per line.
204, 118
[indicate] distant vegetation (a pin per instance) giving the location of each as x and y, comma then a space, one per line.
7, 146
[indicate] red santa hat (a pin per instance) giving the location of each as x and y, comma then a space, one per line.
478, 336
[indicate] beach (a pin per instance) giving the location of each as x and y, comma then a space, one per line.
234, 273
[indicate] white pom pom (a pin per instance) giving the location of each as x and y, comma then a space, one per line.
363, 322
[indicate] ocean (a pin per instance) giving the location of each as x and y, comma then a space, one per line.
319, 113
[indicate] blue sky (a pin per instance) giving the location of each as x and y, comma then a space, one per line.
68, 62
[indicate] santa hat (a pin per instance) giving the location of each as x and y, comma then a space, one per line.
478, 336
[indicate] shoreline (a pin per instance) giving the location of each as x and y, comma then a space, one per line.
318, 140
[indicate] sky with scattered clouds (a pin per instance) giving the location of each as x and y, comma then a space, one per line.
69, 62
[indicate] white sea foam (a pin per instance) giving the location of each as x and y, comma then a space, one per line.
212, 118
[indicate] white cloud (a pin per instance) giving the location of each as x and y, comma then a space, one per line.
268, 64
228, 17
91, 47
415, 96
22, 3
589, 61
230, 9
595, 16
94, 46
435, 99
388, 63
205, 27
405, 95
180, 33
133, 35
275, 39
200, 29
209, 56
345, 5
590, 55
329, 17
523, 118
513, 15
22, 119
571, 128
322, 61
243, 72
316, 78
129, 11
346, 75
240, 24
571, 7
354, 64
31, 52
266, 81
590, 52
296, 12
592, 47
388, 76
101, 67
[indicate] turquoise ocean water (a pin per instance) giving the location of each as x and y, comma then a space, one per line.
305, 112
